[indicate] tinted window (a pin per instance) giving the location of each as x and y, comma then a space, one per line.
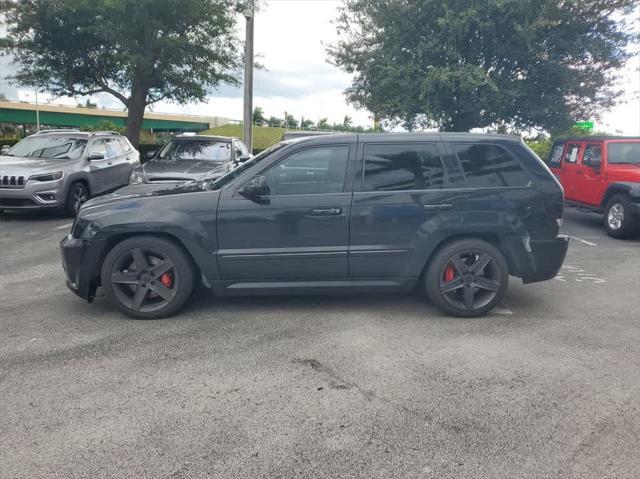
621, 152
556, 154
396, 167
114, 146
487, 166
55, 147
202, 150
99, 146
571, 155
310, 171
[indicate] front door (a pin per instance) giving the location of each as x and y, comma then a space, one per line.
99, 168
299, 230
570, 167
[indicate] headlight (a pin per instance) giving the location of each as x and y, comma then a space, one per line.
136, 177
47, 176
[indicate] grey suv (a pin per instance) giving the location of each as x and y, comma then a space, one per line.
63, 169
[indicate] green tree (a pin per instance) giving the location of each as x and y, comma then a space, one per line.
463, 64
306, 124
273, 121
139, 51
323, 124
290, 120
347, 121
258, 115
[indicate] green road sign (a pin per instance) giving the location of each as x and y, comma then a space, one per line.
584, 125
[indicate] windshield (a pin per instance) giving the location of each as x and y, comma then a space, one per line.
624, 152
223, 180
53, 147
198, 150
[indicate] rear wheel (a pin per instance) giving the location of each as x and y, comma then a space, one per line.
76, 196
619, 221
147, 277
467, 278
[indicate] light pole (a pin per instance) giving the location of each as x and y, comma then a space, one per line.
248, 76
37, 113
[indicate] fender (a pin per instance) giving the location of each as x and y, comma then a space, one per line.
78, 176
630, 187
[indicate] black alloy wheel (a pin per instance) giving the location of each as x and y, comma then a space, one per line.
76, 196
147, 277
467, 278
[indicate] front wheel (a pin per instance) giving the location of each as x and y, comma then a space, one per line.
147, 277
619, 221
467, 278
76, 196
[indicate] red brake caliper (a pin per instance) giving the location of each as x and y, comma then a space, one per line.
449, 273
167, 280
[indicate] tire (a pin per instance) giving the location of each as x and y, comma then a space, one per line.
155, 288
470, 268
76, 196
619, 221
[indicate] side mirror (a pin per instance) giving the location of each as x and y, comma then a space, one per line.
150, 154
255, 188
96, 156
242, 159
4, 149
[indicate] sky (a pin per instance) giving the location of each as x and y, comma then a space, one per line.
290, 41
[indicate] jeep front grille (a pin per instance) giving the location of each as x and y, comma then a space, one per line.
11, 181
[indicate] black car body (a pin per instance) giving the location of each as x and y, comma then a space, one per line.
191, 158
336, 213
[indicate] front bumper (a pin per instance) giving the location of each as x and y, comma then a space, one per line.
34, 195
81, 264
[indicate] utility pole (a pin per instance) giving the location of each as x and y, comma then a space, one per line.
248, 76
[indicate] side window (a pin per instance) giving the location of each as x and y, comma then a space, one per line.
124, 144
571, 153
556, 155
238, 149
489, 166
592, 155
397, 167
114, 147
99, 146
311, 171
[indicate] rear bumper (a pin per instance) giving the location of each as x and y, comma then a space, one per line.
80, 261
536, 260
546, 257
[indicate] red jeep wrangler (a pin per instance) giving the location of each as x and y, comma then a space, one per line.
601, 174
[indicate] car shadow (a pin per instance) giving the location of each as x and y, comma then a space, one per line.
36, 215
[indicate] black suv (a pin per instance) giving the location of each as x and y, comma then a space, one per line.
456, 213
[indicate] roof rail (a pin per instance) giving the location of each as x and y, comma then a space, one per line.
57, 130
105, 132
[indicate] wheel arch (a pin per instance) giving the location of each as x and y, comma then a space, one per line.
626, 188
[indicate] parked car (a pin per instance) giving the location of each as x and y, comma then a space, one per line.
455, 213
64, 168
602, 175
191, 158
291, 134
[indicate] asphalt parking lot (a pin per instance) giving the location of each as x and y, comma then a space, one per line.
354, 386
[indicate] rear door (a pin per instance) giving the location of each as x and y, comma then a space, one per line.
119, 164
299, 230
399, 190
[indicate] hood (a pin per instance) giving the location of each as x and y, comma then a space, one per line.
26, 166
132, 192
183, 170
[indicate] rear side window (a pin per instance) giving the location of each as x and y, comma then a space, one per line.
397, 167
489, 166
126, 146
620, 152
556, 154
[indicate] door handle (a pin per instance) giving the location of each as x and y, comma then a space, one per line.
443, 206
326, 211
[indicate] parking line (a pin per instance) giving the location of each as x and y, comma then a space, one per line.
584, 241
64, 226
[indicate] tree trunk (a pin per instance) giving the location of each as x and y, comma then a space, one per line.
135, 113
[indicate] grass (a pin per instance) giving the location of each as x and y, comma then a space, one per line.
263, 136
